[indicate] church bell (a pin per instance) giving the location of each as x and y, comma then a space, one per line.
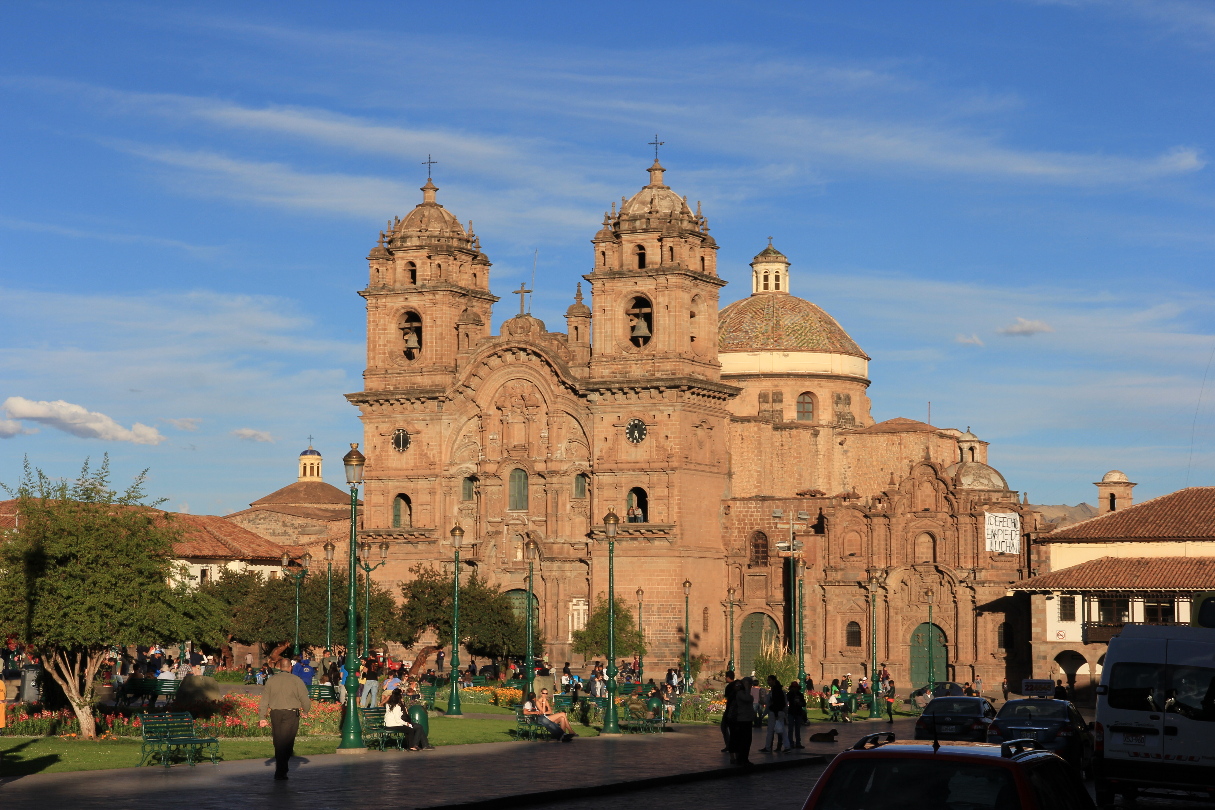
640, 330
411, 340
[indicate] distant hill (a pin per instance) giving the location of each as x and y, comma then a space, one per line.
1064, 515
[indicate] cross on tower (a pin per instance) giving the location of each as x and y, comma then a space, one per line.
428, 163
656, 143
309, 441
521, 292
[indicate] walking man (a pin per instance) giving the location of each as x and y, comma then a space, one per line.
283, 699
726, 693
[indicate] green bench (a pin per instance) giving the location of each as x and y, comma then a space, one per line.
137, 688
169, 733
322, 693
526, 727
427, 690
376, 734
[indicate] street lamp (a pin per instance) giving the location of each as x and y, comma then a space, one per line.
352, 727
929, 638
801, 622
329, 549
532, 550
453, 697
640, 654
730, 592
875, 688
610, 522
796, 592
297, 578
367, 569
687, 640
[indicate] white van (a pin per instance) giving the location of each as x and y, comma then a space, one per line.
1156, 712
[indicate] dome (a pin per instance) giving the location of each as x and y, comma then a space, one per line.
770, 254
657, 207
782, 323
1115, 477
309, 452
428, 224
976, 475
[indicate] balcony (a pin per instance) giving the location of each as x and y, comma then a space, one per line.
1102, 632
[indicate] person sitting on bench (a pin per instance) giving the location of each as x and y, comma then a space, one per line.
560, 718
531, 708
839, 707
394, 720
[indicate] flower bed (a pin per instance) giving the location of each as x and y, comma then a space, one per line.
492, 695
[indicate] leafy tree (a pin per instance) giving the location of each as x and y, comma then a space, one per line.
593, 639
488, 624
88, 568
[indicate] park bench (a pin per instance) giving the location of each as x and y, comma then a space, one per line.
145, 688
323, 693
165, 734
526, 727
427, 691
640, 718
376, 734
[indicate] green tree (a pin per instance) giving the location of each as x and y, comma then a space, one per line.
88, 568
593, 639
489, 625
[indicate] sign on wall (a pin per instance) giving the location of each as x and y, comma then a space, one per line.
1003, 532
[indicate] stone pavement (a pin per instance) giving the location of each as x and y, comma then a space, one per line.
448, 777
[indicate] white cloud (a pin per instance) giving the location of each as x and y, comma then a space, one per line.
1024, 328
79, 421
251, 435
969, 340
120, 238
10, 428
189, 423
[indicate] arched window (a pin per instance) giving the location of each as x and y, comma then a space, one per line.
852, 635
776, 281
759, 549
639, 252
702, 264
641, 321
639, 506
924, 549
603, 257
468, 488
439, 271
805, 407
410, 324
972, 453
671, 254
765, 281
411, 273
1113, 501
474, 278
580, 485
1004, 636
402, 512
518, 490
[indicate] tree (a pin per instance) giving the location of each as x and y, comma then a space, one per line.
593, 639
89, 568
489, 625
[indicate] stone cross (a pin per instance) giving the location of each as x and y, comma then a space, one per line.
656, 143
428, 163
522, 292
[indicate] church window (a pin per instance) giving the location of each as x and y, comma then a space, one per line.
603, 258
474, 278
671, 254
402, 512
439, 271
759, 549
518, 491
577, 334
1004, 638
638, 506
411, 273
776, 281
580, 485
702, 264
925, 549
468, 488
410, 324
765, 281
639, 252
852, 635
579, 611
805, 407
641, 321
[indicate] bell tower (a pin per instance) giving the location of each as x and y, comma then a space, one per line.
428, 298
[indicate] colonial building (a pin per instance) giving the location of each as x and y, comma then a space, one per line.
715, 433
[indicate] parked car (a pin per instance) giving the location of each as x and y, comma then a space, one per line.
1156, 712
880, 774
940, 689
1053, 725
956, 718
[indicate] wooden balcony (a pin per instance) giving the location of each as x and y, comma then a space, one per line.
1102, 632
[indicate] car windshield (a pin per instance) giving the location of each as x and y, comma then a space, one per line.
887, 783
945, 705
1032, 710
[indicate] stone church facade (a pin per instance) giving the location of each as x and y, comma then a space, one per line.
723, 431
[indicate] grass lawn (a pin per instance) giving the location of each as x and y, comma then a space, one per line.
26, 755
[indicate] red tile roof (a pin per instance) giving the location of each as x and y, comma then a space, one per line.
311, 512
1129, 574
899, 424
306, 493
1186, 514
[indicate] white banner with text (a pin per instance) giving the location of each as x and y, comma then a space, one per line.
1003, 532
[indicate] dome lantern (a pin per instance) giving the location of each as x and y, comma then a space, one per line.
769, 271
310, 464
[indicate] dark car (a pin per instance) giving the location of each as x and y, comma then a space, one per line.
956, 718
961, 776
1053, 725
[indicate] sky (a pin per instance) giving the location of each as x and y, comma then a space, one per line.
1007, 203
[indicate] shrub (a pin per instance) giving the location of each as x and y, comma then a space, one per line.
775, 659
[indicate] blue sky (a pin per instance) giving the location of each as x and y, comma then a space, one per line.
1009, 205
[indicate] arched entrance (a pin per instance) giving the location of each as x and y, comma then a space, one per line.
754, 627
929, 655
518, 602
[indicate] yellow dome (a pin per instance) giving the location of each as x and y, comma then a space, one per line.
783, 323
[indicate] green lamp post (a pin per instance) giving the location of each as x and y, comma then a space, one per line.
610, 523
730, 593
297, 577
367, 567
801, 622
929, 638
329, 549
687, 639
532, 550
640, 632
453, 698
875, 688
352, 727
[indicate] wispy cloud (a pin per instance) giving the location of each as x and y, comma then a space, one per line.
104, 236
251, 435
1025, 327
968, 340
189, 423
78, 421
10, 428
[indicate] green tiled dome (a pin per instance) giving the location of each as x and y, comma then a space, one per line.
781, 323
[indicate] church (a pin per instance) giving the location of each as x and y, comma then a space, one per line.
728, 440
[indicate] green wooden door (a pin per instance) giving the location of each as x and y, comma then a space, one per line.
754, 627
929, 655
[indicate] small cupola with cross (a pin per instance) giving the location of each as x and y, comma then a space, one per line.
769, 271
